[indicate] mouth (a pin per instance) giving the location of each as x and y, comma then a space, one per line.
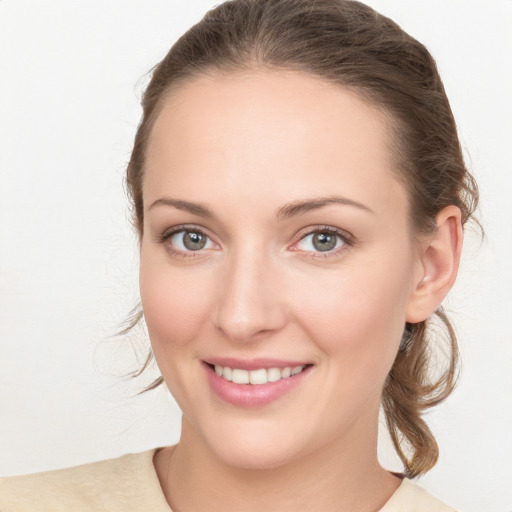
259, 383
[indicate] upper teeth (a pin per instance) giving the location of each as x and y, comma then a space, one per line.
261, 376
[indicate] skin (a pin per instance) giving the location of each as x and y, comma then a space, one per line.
244, 146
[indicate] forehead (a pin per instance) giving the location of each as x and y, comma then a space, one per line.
242, 133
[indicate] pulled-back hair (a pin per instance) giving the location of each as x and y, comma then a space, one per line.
346, 43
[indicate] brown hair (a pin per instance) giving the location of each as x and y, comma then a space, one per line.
347, 43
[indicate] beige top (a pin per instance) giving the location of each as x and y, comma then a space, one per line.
130, 484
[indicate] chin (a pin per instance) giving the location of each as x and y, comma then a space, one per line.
257, 445
254, 457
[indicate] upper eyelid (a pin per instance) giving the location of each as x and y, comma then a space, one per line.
342, 233
348, 241
184, 227
165, 237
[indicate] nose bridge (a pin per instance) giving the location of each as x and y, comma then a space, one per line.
249, 299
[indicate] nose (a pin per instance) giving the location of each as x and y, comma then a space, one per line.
251, 299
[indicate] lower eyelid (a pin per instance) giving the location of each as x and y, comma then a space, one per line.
167, 236
339, 245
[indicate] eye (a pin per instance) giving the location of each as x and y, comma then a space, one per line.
323, 240
189, 240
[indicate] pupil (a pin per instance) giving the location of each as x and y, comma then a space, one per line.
324, 241
194, 241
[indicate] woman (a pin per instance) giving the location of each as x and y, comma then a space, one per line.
299, 193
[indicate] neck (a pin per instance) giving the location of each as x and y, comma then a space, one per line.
341, 476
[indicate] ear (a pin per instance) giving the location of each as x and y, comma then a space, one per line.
439, 260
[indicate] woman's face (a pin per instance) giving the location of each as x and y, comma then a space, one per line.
276, 238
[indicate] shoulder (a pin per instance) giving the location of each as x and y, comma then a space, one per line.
410, 497
127, 483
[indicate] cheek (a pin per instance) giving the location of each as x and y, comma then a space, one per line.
358, 313
175, 304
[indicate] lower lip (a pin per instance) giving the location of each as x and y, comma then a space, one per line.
250, 395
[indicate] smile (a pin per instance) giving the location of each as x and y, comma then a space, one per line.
256, 377
254, 383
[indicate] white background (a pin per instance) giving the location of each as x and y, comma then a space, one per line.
71, 74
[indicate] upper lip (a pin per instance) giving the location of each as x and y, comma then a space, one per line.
253, 364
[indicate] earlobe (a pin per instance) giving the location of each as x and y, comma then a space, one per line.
440, 258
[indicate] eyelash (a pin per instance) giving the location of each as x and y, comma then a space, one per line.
347, 240
166, 236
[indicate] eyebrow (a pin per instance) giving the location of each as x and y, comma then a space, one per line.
193, 208
308, 205
288, 210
